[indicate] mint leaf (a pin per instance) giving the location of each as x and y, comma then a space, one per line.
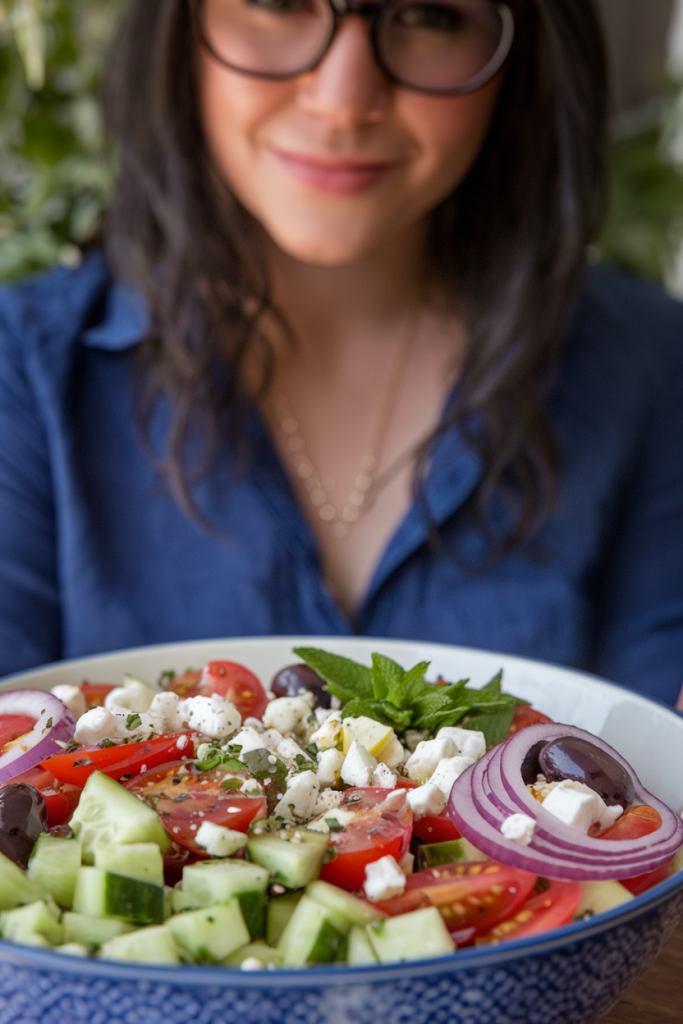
345, 678
387, 678
494, 725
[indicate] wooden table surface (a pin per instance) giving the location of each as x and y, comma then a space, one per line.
658, 997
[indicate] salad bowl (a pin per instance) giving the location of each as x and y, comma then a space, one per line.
569, 976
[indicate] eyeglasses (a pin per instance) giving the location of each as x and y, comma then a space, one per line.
443, 47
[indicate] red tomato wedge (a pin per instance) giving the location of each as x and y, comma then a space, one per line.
636, 821
551, 909
436, 828
12, 727
186, 684
124, 759
95, 693
235, 683
377, 831
61, 800
641, 883
184, 797
524, 715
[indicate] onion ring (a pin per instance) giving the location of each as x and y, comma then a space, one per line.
55, 723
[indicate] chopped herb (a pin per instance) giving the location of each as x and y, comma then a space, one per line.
330, 854
334, 825
232, 784
303, 764
124, 778
133, 722
48, 724
166, 678
105, 744
83, 763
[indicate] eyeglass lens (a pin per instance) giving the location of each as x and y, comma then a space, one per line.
439, 45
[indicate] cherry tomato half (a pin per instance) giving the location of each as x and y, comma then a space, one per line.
436, 828
637, 821
524, 715
184, 797
641, 883
12, 727
61, 800
95, 693
186, 684
123, 759
235, 683
380, 829
551, 909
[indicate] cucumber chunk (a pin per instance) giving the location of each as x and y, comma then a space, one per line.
142, 861
598, 897
360, 952
217, 881
348, 910
210, 934
433, 855
280, 909
259, 950
293, 856
108, 813
102, 894
25, 922
72, 949
54, 865
92, 932
415, 936
16, 889
311, 936
154, 945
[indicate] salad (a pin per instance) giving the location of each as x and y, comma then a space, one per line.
349, 814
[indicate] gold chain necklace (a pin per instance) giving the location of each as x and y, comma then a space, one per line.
341, 521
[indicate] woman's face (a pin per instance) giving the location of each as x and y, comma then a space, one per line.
338, 162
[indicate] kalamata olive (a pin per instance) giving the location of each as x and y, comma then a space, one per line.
531, 768
571, 757
23, 816
291, 680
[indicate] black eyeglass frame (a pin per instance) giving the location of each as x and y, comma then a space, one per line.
375, 13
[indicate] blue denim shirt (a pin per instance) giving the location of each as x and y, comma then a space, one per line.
96, 555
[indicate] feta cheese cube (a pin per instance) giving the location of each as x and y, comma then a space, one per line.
448, 770
252, 963
579, 806
73, 697
134, 696
253, 723
301, 796
342, 815
383, 879
271, 739
329, 767
422, 763
248, 739
289, 750
358, 766
213, 716
392, 753
288, 714
329, 733
519, 828
322, 714
130, 724
95, 725
467, 741
169, 708
427, 799
383, 777
219, 841
328, 800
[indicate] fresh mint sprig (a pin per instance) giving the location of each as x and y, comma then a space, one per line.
404, 699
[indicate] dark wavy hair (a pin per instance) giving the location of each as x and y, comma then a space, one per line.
512, 240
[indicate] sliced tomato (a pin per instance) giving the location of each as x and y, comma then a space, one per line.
637, 821
95, 693
524, 715
380, 829
186, 684
184, 797
403, 783
473, 895
235, 683
61, 800
123, 759
436, 828
641, 883
551, 909
13, 727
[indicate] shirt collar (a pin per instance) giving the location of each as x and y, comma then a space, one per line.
125, 322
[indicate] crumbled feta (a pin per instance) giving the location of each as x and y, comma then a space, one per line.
426, 799
519, 828
329, 767
301, 796
213, 716
448, 770
219, 841
579, 806
322, 714
383, 777
253, 723
289, 750
182, 742
342, 815
329, 733
248, 739
467, 741
252, 787
271, 739
328, 799
393, 753
134, 695
169, 708
415, 736
95, 725
422, 763
288, 714
73, 697
252, 963
383, 879
358, 766
131, 724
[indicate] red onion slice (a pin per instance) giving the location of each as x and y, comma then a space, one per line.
493, 789
54, 723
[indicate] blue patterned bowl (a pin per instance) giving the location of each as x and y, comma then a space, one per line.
570, 976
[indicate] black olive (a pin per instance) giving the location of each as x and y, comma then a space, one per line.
571, 757
290, 681
23, 816
530, 765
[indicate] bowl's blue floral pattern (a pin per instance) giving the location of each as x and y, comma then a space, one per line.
573, 979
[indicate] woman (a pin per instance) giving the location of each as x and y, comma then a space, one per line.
343, 367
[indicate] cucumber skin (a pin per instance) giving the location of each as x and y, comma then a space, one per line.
291, 864
102, 894
280, 909
311, 936
253, 907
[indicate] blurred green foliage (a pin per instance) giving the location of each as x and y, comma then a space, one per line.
56, 172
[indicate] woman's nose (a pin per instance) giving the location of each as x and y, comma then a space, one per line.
347, 86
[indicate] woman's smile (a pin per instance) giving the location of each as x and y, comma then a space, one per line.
333, 174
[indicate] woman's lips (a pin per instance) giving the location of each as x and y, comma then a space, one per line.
338, 176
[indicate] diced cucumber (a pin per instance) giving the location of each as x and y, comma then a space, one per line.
597, 897
142, 861
414, 936
108, 813
102, 894
293, 856
433, 855
154, 945
280, 909
310, 936
72, 949
469, 852
35, 919
54, 865
210, 934
217, 881
92, 932
16, 889
348, 910
360, 951
259, 950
